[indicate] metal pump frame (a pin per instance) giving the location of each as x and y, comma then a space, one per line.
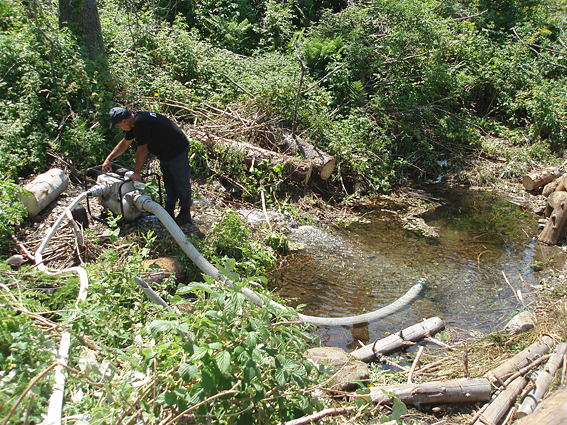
118, 166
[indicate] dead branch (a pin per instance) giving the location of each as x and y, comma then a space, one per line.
320, 415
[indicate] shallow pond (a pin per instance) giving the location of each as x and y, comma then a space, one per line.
483, 240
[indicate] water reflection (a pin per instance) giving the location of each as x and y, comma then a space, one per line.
367, 266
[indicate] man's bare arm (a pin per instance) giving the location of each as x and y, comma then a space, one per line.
141, 153
118, 150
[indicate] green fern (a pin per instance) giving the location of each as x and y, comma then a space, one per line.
30, 300
65, 296
318, 53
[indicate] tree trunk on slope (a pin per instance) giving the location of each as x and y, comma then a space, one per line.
81, 17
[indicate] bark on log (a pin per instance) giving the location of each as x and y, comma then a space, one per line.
539, 178
554, 229
464, 390
395, 342
43, 190
323, 163
520, 360
502, 403
298, 169
543, 382
553, 186
551, 411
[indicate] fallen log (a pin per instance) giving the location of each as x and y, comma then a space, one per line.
539, 178
553, 186
520, 360
551, 411
323, 163
554, 229
466, 390
543, 382
43, 190
395, 342
502, 403
297, 169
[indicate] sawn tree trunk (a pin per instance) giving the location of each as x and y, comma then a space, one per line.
296, 169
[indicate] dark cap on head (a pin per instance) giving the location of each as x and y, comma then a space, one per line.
116, 115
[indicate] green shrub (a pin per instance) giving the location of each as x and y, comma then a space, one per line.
237, 348
232, 238
12, 212
25, 352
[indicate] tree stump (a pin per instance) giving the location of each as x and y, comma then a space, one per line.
554, 185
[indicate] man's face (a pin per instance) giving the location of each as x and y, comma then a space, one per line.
124, 125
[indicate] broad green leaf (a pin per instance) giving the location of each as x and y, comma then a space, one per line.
252, 340
249, 371
208, 381
398, 409
281, 377
188, 371
222, 359
199, 353
170, 398
189, 347
159, 326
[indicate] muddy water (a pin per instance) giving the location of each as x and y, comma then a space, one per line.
369, 265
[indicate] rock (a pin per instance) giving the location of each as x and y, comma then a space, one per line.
16, 260
349, 369
163, 268
521, 322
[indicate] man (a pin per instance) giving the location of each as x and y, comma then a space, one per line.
160, 136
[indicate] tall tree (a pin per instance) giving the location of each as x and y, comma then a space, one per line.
81, 16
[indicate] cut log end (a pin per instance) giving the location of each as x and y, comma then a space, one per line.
327, 169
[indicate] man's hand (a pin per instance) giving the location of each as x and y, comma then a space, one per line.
136, 177
106, 166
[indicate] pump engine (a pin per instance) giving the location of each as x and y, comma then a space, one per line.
115, 200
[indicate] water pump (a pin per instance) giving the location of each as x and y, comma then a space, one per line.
117, 199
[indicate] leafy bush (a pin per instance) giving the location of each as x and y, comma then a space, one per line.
12, 212
25, 352
237, 349
47, 89
232, 238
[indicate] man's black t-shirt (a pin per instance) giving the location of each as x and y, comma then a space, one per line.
163, 137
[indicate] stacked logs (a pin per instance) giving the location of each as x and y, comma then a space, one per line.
555, 190
298, 156
505, 390
509, 391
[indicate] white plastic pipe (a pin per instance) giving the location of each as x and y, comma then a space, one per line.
56, 399
145, 203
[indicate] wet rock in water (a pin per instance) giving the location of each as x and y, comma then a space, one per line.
521, 322
350, 369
